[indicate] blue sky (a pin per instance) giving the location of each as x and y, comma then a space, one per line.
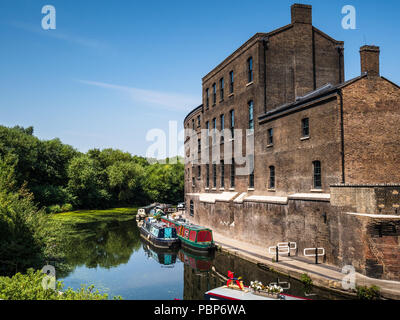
113, 70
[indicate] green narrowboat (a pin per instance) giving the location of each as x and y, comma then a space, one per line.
193, 237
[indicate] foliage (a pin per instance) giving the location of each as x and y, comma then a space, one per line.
368, 293
29, 287
306, 280
58, 175
38, 177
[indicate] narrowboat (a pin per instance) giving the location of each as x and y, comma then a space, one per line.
227, 293
236, 290
165, 257
193, 237
159, 234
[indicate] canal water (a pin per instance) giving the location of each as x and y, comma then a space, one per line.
111, 255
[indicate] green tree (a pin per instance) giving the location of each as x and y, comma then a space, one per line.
86, 183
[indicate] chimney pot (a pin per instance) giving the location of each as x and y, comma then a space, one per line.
369, 56
301, 13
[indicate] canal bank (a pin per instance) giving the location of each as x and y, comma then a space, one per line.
322, 275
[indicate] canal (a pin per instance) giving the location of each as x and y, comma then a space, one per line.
106, 250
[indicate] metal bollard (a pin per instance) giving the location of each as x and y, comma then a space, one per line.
289, 249
316, 255
277, 254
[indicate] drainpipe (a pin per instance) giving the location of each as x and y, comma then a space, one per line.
340, 93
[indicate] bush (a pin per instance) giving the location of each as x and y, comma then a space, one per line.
371, 293
54, 209
306, 280
67, 207
29, 287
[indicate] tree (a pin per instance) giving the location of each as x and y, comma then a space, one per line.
85, 183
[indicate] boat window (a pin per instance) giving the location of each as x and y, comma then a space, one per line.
192, 236
204, 236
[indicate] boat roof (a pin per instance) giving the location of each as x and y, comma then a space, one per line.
231, 294
187, 224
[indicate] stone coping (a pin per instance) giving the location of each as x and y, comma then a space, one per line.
310, 196
213, 197
240, 198
365, 185
243, 197
376, 216
268, 199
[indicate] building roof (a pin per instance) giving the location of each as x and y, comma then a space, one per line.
321, 92
193, 111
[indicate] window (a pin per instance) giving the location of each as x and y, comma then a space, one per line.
207, 98
251, 120
221, 88
231, 82
251, 175
198, 121
305, 129
193, 123
317, 175
208, 128
233, 173
270, 139
222, 174
207, 175
193, 182
214, 93
214, 175
198, 145
198, 172
222, 120
232, 116
191, 208
214, 130
271, 177
250, 69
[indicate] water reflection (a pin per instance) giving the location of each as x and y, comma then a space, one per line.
164, 257
112, 256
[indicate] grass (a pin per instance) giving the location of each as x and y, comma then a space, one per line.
85, 216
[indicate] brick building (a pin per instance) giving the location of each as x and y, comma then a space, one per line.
326, 166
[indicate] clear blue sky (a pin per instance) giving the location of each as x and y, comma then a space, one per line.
112, 70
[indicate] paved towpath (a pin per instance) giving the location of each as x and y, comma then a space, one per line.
322, 275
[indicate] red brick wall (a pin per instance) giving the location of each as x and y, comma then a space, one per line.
371, 114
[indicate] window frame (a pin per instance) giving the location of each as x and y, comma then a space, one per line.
250, 69
222, 174
221, 89
305, 125
214, 86
231, 82
270, 136
272, 181
250, 105
317, 175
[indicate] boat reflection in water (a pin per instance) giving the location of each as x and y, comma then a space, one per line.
197, 263
165, 257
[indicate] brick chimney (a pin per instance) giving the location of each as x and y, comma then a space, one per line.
301, 13
370, 60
